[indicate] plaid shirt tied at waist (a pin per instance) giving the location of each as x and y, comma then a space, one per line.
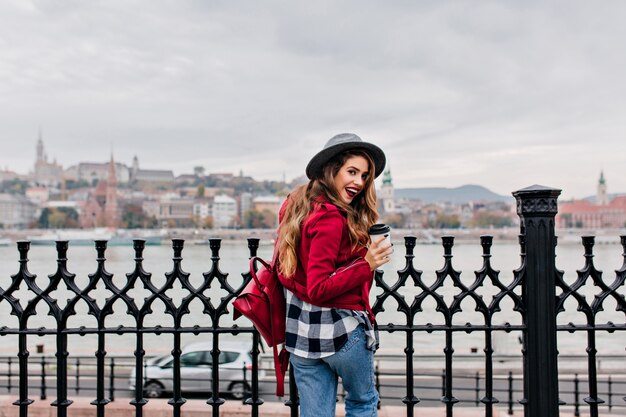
316, 332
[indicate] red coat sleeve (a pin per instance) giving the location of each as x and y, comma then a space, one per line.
324, 280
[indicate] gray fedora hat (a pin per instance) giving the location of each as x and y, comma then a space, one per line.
339, 144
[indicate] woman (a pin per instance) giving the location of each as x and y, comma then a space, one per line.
326, 263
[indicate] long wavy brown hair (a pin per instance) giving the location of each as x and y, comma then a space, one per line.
362, 212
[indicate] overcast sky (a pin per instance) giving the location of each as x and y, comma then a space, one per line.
499, 93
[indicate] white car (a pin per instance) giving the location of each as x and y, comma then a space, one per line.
195, 370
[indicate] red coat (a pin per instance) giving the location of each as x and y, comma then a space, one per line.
330, 273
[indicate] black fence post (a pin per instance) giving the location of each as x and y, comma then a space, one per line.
10, 375
245, 382
537, 208
253, 399
77, 376
43, 378
112, 379
510, 385
62, 353
576, 396
377, 376
610, 389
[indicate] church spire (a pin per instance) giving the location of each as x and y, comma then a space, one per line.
387, 193
601, 196
40, 149
387, 177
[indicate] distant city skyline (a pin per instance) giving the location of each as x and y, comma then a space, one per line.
504, 95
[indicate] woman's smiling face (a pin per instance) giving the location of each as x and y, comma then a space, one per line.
350, 178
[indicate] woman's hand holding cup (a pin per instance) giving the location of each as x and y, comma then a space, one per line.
381, 248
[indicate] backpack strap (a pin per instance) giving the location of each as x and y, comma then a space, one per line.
281, 359
281, 363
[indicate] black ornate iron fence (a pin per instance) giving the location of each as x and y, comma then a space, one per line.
469, 385
532, 292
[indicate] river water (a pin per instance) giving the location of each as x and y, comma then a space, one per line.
196, 260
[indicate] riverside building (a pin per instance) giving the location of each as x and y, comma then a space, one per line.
604, 213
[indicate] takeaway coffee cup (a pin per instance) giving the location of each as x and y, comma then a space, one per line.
378, 230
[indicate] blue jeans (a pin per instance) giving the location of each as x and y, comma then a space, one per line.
317, 380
